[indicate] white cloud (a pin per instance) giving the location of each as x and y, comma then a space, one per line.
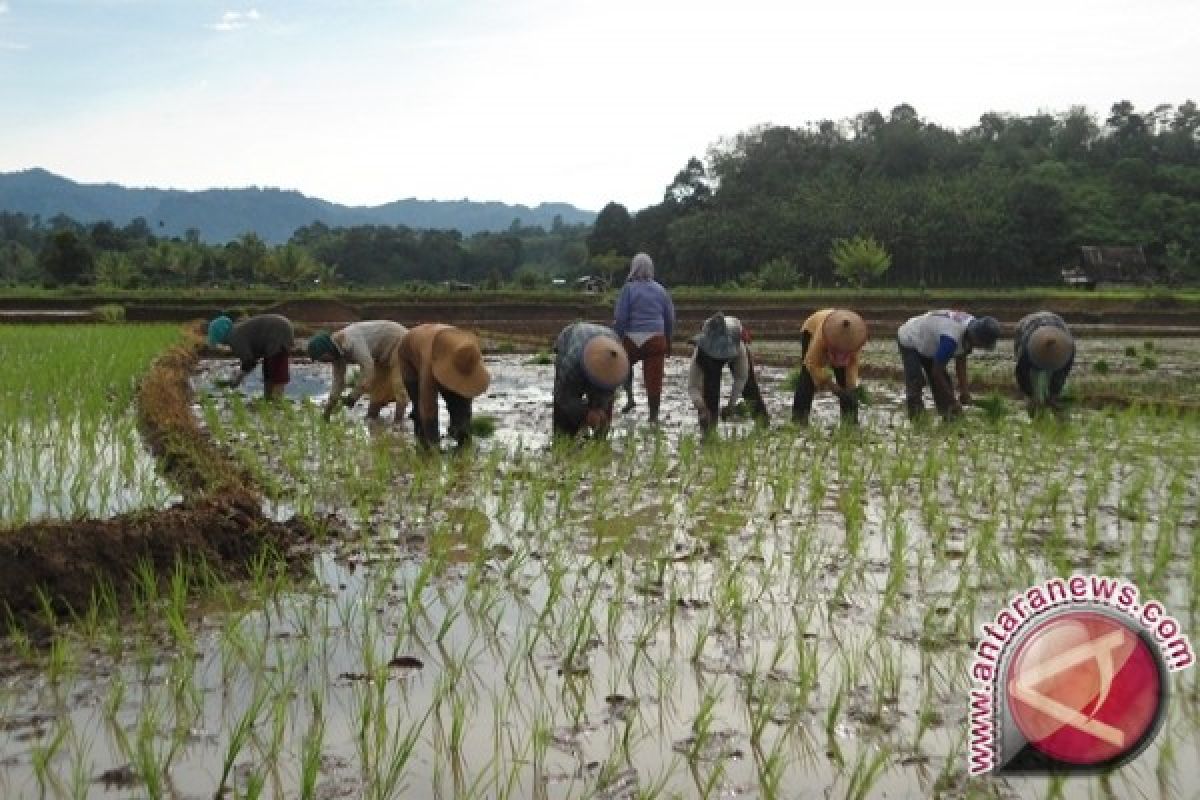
232, 20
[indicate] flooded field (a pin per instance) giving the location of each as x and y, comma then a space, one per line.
771, 613
69, 444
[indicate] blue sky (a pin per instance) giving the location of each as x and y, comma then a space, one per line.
367, 101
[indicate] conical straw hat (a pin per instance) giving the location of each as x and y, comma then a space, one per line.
844, 331
458, 363
1050, 347
605, 362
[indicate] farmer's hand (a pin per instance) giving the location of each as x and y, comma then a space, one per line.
596, 419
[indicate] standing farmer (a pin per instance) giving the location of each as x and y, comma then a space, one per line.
928, 342
645, 321
721, 343
589, 365
830, 341
1045, 353
372, 345
441, 359
265, 337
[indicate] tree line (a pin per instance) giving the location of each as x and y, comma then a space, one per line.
62, 251
1007, 202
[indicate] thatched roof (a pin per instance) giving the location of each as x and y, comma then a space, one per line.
1116, 265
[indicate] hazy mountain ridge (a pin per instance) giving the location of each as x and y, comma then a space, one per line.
274, 214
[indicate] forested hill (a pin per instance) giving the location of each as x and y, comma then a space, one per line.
1006, 202
221, 215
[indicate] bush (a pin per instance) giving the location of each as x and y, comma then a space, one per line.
527, 278
542, 358
1149, 362
483, 426
860, 259
1131, 351
1100, 367
779, 273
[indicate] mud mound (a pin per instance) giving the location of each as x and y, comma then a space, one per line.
315, 312
66, 560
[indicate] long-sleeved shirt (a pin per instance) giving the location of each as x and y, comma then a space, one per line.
571, 384
644, 307
370, 345
260, 337
415, 358
939, 335
816, 358
740, 366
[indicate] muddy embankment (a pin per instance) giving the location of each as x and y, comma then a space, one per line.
63, 564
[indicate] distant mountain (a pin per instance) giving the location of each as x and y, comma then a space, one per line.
274, 214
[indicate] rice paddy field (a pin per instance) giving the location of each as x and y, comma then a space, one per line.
774, 612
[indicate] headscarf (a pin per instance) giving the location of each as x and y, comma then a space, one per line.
641, 268
321, 344
218, 330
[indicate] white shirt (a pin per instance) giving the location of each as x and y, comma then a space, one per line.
924, 333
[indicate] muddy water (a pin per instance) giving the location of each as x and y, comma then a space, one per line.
767, 614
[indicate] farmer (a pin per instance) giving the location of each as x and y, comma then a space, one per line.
441, 359
372, 345
589, 365
928, 342
644, 319
721, 343
830, 341
265, 337
1045, 353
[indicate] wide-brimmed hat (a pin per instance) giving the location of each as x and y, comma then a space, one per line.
605, 362
458, 362
716, 340
1050, 347
844, 331
218, 330
321, 344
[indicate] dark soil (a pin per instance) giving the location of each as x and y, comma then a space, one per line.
66, 561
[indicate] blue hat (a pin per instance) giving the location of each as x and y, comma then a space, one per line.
218, 330
984, 331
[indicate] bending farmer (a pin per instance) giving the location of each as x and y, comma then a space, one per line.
441, 359
372, 345
721, 343
267, 338
928, 342
589, 365
830, 342
1045, 353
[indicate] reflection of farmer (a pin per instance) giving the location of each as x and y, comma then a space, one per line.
266, 338
644, 319
720, 343
928, 342
1045, 353
829, 344
589, 365
441, 359
372, 345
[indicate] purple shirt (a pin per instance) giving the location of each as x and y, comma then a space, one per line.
644, 307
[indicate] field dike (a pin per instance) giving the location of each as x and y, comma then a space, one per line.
65, 566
